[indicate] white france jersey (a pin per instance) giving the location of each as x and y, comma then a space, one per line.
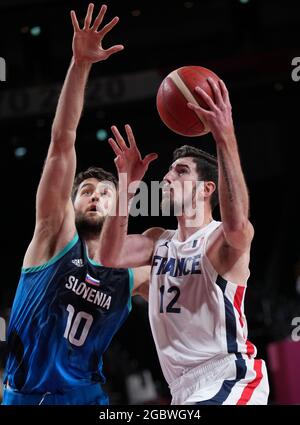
195, 314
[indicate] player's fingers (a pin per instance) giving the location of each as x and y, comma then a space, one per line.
114, 146
88, 18
149, 158
200, 112
109, 26
119, 139
114, 49
205, 97
74, 21
216, 91
224, 91
118, 162
99, 17
130, 136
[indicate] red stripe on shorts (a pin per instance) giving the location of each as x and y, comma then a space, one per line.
250, 388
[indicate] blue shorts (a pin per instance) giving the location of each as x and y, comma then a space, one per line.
88, 394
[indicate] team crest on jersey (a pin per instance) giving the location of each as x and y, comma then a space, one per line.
92, 280
78, 262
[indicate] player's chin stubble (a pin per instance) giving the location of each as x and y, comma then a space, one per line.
88, 226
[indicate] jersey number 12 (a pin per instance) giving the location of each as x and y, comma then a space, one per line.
170, 308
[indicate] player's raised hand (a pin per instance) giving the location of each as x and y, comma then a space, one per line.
87, 42
218, 116
128, 158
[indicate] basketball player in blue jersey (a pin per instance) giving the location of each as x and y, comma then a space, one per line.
199, 272
68, 306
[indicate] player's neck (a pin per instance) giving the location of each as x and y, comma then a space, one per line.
187, 225
92, 244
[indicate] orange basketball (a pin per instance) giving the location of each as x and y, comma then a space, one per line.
175, 91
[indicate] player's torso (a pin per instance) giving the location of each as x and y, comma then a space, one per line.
186, 305
64, 316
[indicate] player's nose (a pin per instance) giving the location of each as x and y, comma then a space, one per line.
168, 178
95, 197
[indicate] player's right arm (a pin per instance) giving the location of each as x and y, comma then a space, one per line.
116, 247
55, 224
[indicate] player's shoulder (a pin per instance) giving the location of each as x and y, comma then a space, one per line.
218, 238
154, 233
247, 232
41, 252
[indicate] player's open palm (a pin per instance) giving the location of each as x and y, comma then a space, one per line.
128, 158
87, 42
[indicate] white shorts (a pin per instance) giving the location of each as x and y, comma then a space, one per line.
233, 379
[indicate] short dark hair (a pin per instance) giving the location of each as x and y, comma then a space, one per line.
92, 172
206, 166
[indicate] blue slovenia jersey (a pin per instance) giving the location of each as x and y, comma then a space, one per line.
63, 318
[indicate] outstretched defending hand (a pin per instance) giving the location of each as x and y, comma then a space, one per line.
218, 116
128, 159
87, 42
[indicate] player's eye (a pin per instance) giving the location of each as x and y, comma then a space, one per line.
181, 171
104, 191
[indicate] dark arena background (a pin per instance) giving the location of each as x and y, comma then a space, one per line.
253, 46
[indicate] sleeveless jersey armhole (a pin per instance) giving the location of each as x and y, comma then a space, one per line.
53, 260
165, 236
213, 272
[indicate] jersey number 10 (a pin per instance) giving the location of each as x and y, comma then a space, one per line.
73, 325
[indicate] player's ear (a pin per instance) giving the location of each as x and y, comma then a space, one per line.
209, 188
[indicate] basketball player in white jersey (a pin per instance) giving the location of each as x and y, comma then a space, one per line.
199, 272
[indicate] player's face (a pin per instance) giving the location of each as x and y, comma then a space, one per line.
93, 202
180, 184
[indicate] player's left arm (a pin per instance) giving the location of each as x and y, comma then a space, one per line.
141, 281
233, 193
